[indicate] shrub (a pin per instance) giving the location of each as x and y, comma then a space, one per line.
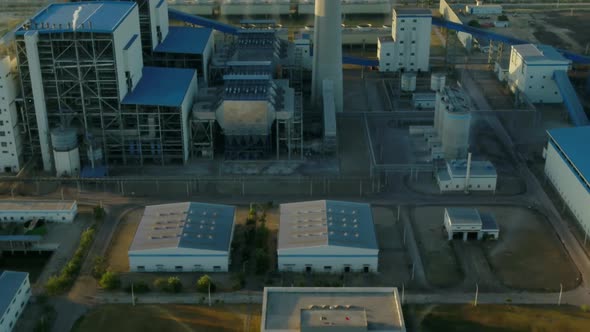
99, 267
174, 285
160, 284
262, 261
261, 237
203, 284
585, 307
139, 287
238, 281
109, 280
503, 18
474, 23
99, 212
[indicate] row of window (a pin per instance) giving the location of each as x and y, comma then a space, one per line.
470, 186
401, 54
327, 268
177, 268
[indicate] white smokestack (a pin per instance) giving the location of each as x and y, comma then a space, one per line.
75, 18
327, 50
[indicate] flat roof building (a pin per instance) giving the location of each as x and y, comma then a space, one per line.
310, 309
52, 211
15, 291
482, 176
567, 166
468, 223
183, 237
327, 236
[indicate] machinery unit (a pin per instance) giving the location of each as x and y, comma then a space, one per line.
408, 82
437, 81
65, 151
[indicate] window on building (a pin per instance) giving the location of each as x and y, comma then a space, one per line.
387, 64
2, 133
544, 76
412, 53
542, 87
178, 268
403, 21
478, 185
401, 41
388, 54
414, 28
401, 54
411, 63
402, 29
140, 268
217, 268
413, 42
1, 122
531, 76
327, 268
457, 186
530, 86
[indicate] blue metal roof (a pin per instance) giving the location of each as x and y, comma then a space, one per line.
572, 143
23, 238
174, 14
570, 98
10, 282
185, 40
160, 86
96, 16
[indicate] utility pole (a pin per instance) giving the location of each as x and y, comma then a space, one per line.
403, 292
209, 291
132, 295
476, 294
560, 293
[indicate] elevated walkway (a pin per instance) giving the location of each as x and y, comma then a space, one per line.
570, 98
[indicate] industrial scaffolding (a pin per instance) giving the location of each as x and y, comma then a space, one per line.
81, 88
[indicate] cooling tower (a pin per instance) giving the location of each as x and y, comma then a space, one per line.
327, 54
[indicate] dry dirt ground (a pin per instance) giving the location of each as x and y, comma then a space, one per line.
394, 263
121, 241
528, 254
189, 318
440, 263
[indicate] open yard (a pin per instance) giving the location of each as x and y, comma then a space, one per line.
528, 254
147, 318
440, 263
495, 318
393, 260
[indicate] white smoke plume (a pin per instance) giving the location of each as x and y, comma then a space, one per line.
76, 15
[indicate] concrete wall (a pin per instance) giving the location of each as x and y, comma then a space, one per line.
63, 216
17, 306
572, 189
207, 54
10, 138
159, 18
535, 80
337, 258
130, 60
449, 14
387, 56
67, 163
168, 259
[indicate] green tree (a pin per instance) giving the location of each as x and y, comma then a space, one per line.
160, 284
99, 267
238, 281
251, 216
262, 261
474, 23
502, 18
262, 234
109, 280
203, 284
99, 213
174, 285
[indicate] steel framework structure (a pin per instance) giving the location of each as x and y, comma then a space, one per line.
80, 83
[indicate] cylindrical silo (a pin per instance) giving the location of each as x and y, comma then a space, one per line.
408, 82
65, 151
327, 53
455, 132
437, 81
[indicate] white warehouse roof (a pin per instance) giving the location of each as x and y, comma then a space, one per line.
36, 205
185, 225
531, 53
325, 222
464, 217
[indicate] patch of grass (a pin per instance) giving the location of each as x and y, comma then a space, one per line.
153, 318
504, 318
42, 230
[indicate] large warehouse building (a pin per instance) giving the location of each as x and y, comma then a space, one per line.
567, 167
183, 237
15, 291
310, 309
327, 236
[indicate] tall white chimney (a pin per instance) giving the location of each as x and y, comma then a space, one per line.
327, 50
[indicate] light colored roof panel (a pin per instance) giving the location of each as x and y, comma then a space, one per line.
325, 222
412, 12
464, 216
288, 308
96, 16
538, 53
185, 225
36, 205
10, 282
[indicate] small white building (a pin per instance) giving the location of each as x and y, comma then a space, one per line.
327, 236
183, 237
531, 72
421, 100
15, 291
567, 167
314, 309
51, 211
468, 223
11, 145
408, 48
482, 176
483, 9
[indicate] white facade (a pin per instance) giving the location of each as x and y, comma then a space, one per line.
52, 211
11, 145
410, 32
568, 176
128, 55
67, 163
449, 14
15, 291
483, 9
465, 221
531, 72
186, 109
423, 100
482, 176
159, 21
183, 237
327, 236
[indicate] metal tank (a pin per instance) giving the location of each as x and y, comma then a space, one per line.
327, 55
408, 82
64, 139
437, 81
456, 122
65, 151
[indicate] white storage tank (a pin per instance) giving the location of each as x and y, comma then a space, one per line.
65, 151
455, 134
437, 81
408, 82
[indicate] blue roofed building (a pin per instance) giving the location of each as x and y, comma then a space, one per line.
327, 236
567, 167
15, 291
186, 47
183, 237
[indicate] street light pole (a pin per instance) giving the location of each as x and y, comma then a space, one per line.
476, 294
209, 290
560, 293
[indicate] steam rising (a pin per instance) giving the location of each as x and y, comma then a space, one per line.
75, 18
